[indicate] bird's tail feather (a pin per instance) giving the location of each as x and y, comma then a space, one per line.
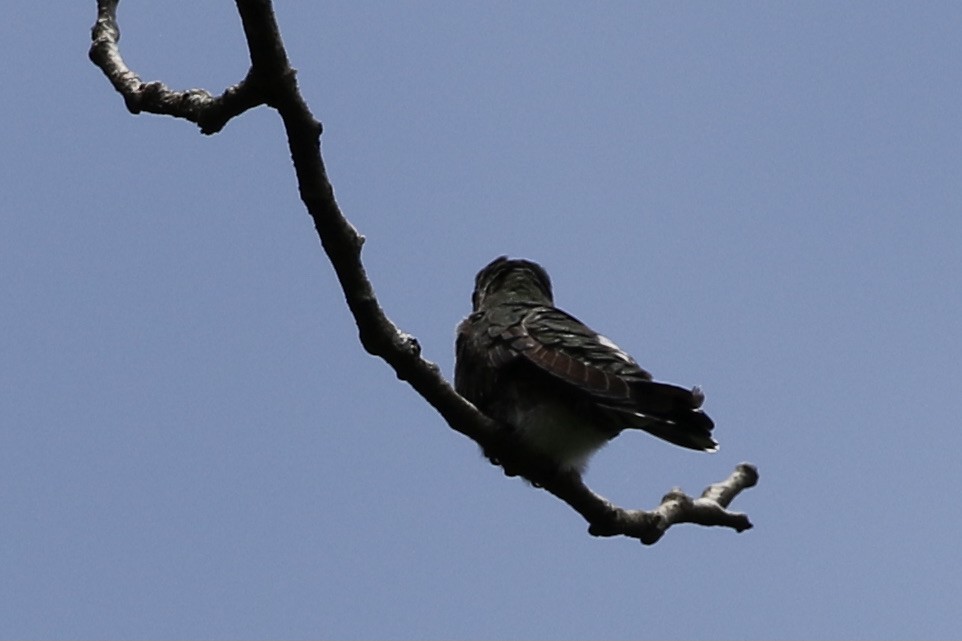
668, 412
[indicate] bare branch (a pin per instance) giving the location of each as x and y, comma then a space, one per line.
272, 81
677, 507
196, 105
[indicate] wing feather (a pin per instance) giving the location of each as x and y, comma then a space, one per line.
591, 364
564, 347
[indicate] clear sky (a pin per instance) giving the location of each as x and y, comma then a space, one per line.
760, 198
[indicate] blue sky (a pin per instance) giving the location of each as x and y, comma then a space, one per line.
760, 198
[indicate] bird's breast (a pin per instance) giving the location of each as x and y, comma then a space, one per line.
559, 432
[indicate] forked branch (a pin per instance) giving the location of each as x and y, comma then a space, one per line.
271, 81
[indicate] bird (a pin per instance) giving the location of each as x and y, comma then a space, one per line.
560, 387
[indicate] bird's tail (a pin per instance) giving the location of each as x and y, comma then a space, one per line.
669, 412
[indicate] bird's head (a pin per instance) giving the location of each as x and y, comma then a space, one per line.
508, 280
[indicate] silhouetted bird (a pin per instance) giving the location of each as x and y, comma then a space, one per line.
564, 389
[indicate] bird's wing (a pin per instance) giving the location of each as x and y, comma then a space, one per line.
591, 364
566, 348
